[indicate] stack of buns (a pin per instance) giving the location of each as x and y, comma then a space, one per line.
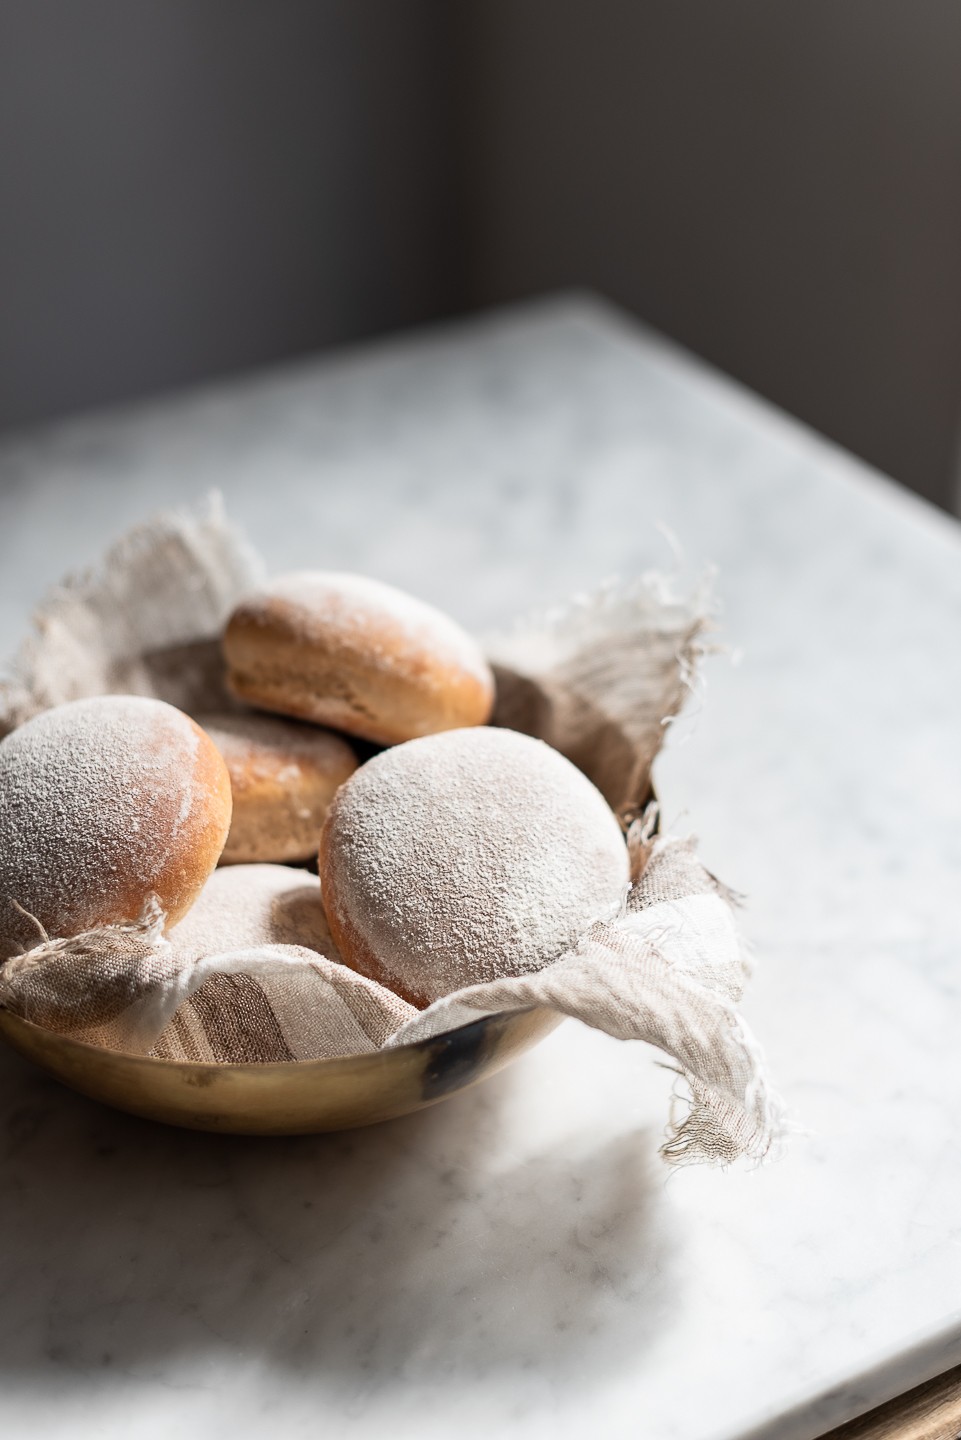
449, 851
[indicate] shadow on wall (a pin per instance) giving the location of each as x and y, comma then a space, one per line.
776, 186
190, 189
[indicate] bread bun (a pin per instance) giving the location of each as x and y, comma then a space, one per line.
283, 776
349, 652
465, 857
244, 906
103, 803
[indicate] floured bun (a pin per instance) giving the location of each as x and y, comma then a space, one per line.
103, 803
283, 776
243, 906
463, 857
350, 652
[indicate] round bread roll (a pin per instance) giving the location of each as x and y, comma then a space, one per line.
283, 776
349, 652
243, 906
465, 857
103, 803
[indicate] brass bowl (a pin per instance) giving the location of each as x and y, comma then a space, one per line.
297, 1098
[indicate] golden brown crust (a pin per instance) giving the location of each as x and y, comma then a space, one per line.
283, 775
357, 656
204, 832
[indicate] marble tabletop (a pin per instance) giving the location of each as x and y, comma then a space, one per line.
517, 1261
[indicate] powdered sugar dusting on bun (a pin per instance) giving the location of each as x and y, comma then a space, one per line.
244, 906
361, 612
103, 803
263, 745
466, 856
283, 775
351, 652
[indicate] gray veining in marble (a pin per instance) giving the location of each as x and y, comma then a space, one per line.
516, 1261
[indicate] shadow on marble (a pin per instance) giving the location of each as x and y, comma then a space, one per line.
410, 1249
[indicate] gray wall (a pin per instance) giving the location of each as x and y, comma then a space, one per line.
192, 186
776, 183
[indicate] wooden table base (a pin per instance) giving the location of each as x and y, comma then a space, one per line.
931, 1412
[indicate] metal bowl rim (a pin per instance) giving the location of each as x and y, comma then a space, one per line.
279, 1066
